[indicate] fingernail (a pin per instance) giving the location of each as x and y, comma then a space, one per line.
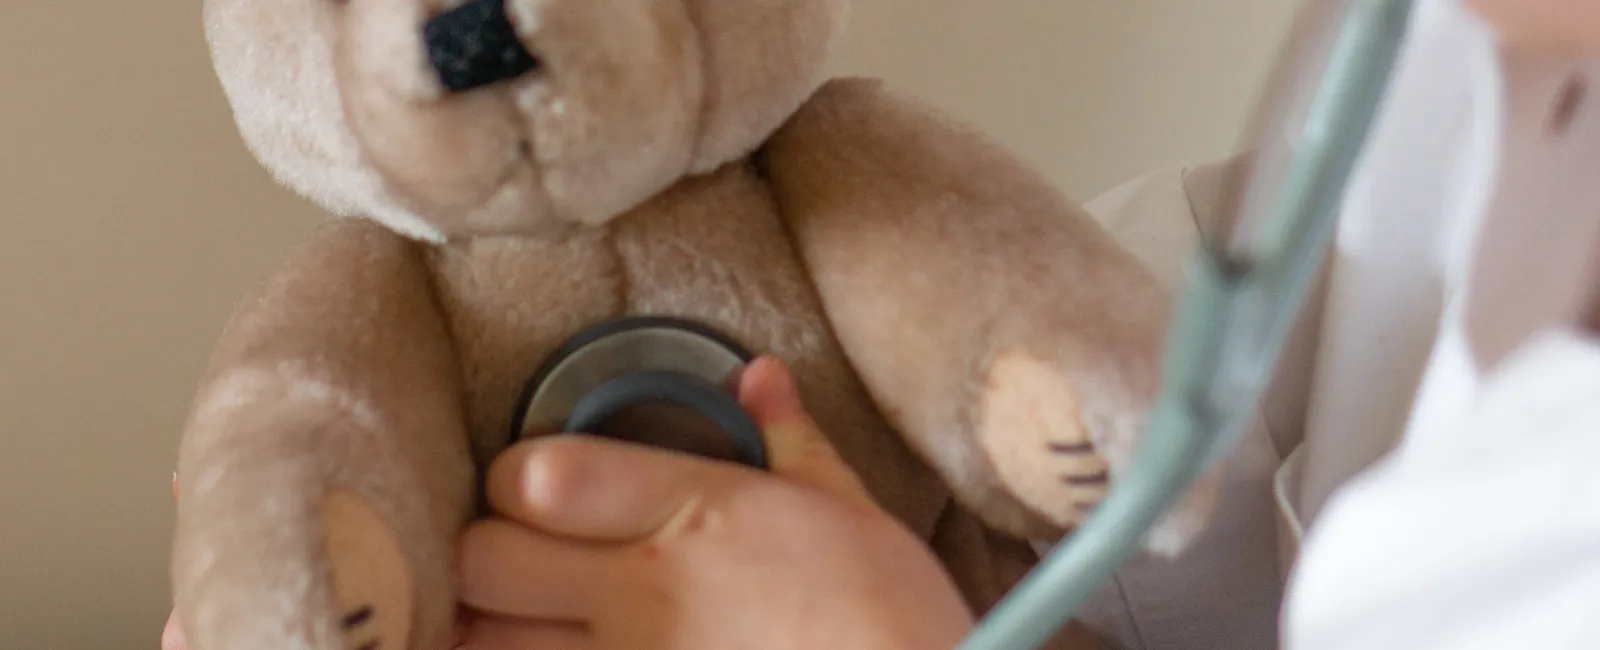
534, 480
555, 473
783, 382
770, 388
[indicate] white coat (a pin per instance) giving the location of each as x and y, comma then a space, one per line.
1425, 473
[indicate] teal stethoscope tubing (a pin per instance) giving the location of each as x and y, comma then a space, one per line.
1227, 333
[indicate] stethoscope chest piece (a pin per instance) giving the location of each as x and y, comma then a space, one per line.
651, 380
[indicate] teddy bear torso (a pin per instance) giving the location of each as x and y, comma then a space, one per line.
712, 249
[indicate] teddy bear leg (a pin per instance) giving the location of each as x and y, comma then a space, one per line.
370, 581
298, 526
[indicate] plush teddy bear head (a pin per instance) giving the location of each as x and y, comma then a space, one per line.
456, 118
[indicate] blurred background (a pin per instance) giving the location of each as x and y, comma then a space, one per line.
134, 218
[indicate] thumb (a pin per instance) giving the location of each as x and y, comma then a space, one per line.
172, 635
797, 450
172, 632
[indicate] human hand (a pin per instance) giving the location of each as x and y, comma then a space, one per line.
606, 546
171, 633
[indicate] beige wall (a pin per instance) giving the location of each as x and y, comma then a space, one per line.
134, 219
1092, 91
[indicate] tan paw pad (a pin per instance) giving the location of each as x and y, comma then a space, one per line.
371, 583
1032, 428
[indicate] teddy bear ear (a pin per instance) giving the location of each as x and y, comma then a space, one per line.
275, 62
762, 60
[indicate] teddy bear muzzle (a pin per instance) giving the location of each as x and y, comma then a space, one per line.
475, 45
430, 97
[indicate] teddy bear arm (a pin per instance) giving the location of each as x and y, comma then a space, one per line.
324, 470
1002, 330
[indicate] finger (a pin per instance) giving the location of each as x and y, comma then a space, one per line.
796, 447
509, 570
598, 489
462, 625
494, 633
172, 635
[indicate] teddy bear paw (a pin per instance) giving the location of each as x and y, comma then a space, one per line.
1031, 427
370, 578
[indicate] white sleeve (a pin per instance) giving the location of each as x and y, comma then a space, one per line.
1487, 540
1481, 530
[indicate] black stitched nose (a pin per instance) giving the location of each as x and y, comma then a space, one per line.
475, 45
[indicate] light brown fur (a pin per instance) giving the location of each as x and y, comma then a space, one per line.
672, 157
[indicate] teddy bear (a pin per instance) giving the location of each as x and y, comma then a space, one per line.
502, 174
